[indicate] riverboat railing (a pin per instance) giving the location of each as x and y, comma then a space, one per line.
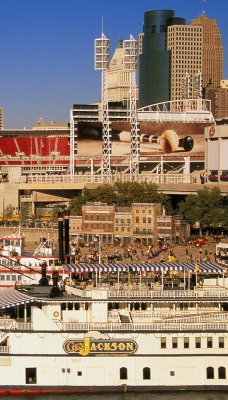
153, 294
146, 327
139, 316
4, 349
168, 294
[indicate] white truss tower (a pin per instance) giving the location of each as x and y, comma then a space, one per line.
101, 62
130, 64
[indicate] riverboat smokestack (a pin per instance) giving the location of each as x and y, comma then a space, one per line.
67, 234
60, 231
55, 290
44, 280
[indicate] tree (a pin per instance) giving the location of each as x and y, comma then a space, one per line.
121, 194
8, 212
25, 212
208, 207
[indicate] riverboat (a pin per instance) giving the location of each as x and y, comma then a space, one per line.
19, 266
134, 335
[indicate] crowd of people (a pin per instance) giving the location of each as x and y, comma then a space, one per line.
91, 253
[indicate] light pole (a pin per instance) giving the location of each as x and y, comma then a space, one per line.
101, 62
98, 237
130, 64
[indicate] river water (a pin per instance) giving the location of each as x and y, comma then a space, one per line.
180, 395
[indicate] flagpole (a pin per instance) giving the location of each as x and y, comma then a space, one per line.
196, 271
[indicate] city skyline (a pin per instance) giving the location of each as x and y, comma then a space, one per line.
47, 50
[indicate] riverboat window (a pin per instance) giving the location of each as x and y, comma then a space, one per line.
186, 343
163, 342
175, 342
221, 342
209, 342
198, 342
146, 373
210, 373
30, 375
172, 373
123, 373
222, 373
79, 373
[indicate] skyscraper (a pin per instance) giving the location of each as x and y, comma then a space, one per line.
212, 66
155, 59
185, 45
118, 79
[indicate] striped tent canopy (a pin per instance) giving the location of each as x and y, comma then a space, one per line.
10, 297
203, 267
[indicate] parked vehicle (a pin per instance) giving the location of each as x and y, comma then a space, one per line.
224, 176
213, 176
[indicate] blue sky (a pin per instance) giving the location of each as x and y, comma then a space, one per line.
47, 50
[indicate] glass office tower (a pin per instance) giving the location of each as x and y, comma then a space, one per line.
155, 59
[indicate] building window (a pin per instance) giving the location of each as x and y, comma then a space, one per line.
186, 342
210, 373
144, 220
123, 373
198, 342
163, 342
222, 373
30, 375
174, 342
149, 220
153, 29
146, 373
221, 342
209, 342
137, 220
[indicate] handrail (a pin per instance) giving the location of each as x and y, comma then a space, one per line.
148, 327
